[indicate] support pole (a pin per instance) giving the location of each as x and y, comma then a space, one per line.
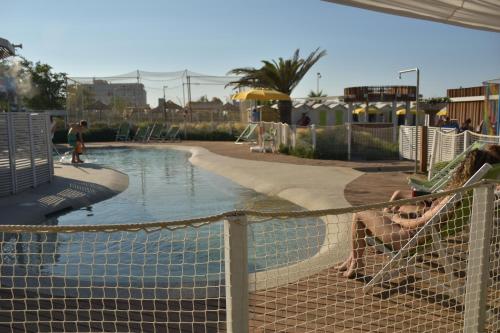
12, 152
32, 150
466, 139
478, 263
416, 119
423, 150
313, 136
349, 130
394, 122
433, 154
236, 273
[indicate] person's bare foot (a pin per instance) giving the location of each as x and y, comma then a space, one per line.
350, 266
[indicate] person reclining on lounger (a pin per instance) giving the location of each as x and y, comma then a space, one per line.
396, 225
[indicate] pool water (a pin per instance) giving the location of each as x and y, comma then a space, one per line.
163, 186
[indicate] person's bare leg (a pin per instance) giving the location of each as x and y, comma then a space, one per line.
73, 157
355, 261
379, 226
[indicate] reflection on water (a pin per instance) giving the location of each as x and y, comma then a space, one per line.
163, 186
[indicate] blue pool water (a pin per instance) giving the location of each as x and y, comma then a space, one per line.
163, 186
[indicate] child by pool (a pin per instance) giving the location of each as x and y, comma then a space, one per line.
75, 140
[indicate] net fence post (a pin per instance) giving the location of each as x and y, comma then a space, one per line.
434, 148
12, 152
313, 137
349, 141
478, 263
32, 150
236, 273
466, 140
48, 137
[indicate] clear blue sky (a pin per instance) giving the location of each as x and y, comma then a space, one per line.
101, 38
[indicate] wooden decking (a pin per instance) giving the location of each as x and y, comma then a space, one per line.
328, 302
324, 302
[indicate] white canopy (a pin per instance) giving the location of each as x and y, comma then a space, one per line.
475, 14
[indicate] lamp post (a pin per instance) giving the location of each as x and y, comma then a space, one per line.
164, 103
318, 76
416, 110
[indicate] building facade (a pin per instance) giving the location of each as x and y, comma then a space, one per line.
133, 94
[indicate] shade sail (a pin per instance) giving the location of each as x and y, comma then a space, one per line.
261, 95
475, 14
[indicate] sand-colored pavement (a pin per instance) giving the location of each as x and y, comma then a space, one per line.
73, 187
312, 187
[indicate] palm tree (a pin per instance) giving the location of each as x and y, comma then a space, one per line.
314, 95
282, 75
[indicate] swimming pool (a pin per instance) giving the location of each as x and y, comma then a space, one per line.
163, 186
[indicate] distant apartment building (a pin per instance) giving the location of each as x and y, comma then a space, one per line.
133, 94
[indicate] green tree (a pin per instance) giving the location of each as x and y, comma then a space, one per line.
203, 98
282, 75
315, 95
49, 87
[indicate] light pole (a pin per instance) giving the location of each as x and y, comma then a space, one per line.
164, 103
416, 110
318, 76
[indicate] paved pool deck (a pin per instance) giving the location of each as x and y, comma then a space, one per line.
72, 187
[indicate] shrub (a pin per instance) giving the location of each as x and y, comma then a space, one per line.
101, 132
213, 132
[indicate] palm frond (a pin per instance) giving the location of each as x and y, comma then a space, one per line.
282, 74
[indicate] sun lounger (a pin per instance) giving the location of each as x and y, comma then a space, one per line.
142, 133
123, 132
172, 134
248, 134
156, 132
441, 178
406, 258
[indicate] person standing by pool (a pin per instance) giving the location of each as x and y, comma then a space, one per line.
75, 140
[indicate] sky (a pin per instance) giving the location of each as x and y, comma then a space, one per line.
103, 38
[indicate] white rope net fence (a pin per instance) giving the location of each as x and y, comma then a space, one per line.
263, 272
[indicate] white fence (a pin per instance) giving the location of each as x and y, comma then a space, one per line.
265, 272
443, 145
25, 151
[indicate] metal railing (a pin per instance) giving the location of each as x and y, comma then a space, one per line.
259, 271
25, 151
